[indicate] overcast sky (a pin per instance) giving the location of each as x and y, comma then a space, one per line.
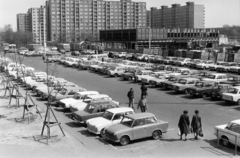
217, 12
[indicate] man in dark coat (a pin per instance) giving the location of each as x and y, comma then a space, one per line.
183, 124
131, 98
196, 124
144, 90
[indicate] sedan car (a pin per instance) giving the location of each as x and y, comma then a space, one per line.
217, 91
110, 117
136, 126
183, 84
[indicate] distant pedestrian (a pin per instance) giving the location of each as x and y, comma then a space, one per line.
144, 90
183, 124
131, 98
143, 104
196, 124
102, 59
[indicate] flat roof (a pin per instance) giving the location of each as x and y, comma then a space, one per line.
140, 115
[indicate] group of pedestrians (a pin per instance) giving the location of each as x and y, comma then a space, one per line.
142, 104
185, 127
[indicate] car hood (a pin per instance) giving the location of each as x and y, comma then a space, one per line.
98, 121
81, 113
78, 105
221, 126
118, 128
67, 100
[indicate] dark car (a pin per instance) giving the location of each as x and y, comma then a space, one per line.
171, 80
217, 90
202, 88
92, 110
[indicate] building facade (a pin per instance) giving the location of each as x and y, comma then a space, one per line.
189, 16
22, 22
37, 24
78, 20
164, 38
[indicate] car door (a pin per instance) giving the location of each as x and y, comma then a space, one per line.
151, 123
236, 129
139, 129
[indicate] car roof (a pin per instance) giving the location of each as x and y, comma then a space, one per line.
208, 81
98, 96
237, 87
120, 109
191, 78
218, 74
140, 115
88, 92
236, 121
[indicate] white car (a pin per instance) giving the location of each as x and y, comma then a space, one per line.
121, 54
177, 72
233, 95
216, 77
227, 133
204, 65
116, 71
183, 61
146, 79
213, 67
79, 96
110, 117
81, 104
141, 74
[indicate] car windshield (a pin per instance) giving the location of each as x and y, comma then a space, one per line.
169, 69
89, 108
127, 121
87, 99
202, 74
107, 115
185, 72
212, 76
63, 91
152, 74
172, 79
233, 90
182, 81
77, 96
199, 84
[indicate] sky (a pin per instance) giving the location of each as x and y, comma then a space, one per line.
217, 12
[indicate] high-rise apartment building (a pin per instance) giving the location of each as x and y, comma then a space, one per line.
189, 16
37, 24
22, 22
77, 20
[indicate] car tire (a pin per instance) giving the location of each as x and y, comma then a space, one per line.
238, 101
186, 91
124, 140
156, 134
204, 95
225, 141
102, 132
115, 75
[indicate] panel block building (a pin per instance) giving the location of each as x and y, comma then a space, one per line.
22, 22
189, 16
77, 20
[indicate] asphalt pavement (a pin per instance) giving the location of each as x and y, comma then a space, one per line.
165, 104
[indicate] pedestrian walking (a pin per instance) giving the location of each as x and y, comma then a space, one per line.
143, 104
131, 98
196, 124
144, 90
183, 124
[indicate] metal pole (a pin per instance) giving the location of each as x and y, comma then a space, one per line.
149, 42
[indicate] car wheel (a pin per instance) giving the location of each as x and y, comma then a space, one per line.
115, 75
238, 102
225, 141
156, 135
191, 93
186, 91
102, 132
204, 95
124, 140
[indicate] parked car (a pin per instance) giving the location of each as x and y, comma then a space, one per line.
147, 78
168, 60
142, 73
234, 69
213, 67
204, 64
167, 84
232, 80
67, 92
110, 117
201, 88
78, 96
217, 91
93, 110
183, 62
81, 104
130, 74
226, 67
228, 133
233, 95
121, 54
116, 71
194, 62
136, 126
219, 77
183, 84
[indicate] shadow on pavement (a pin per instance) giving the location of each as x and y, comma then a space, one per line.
86, 133
219, 150
74, 124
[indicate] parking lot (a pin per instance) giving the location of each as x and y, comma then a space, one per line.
167, 105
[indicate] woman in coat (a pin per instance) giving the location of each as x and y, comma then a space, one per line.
183, 124
196, 124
